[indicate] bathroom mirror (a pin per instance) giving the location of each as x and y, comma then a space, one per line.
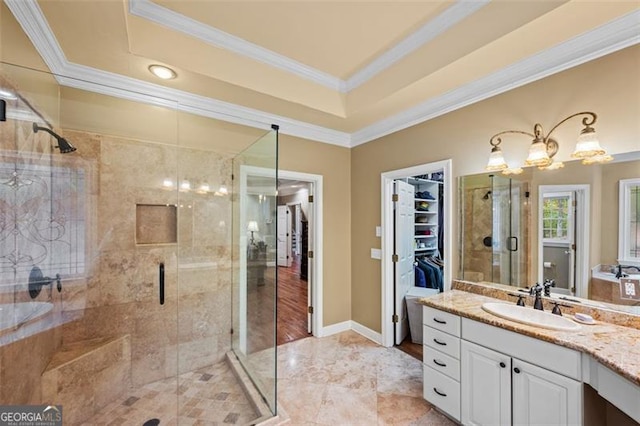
558, 224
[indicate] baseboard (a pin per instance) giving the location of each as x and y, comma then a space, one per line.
374, 336
335, 328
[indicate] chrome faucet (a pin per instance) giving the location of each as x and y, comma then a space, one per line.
619, 268
536, 291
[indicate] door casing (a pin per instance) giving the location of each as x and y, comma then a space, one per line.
387, 274
583, 200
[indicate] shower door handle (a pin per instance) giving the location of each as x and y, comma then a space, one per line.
161, 279
513, 244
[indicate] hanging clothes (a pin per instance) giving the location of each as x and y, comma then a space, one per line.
433, 274
420, 279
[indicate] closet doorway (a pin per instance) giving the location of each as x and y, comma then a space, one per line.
299, 280
416, 228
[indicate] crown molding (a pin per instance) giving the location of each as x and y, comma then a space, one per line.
450, 17
33, 22
111, 84
608, 38
35, 25
168, 18
429, 31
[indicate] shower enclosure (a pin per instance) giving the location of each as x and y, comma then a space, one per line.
131, 287
494, 217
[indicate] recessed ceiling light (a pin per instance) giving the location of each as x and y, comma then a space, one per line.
7, 94
162, 72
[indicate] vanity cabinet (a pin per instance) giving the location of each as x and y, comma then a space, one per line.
499, 389
441, 360
484, 375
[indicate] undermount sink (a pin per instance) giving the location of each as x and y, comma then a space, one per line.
530, 316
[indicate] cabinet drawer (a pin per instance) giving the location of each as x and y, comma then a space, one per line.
441, 341
441, 320
441, 362
442, 391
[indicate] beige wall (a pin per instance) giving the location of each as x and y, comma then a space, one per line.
333, 163
609, 86
609, 206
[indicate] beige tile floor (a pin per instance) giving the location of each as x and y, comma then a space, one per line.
209, 396
346, 379
340, 380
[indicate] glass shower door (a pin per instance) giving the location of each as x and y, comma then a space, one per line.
509, 231
254, 268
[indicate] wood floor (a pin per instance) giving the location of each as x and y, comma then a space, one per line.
292, 304
413, 349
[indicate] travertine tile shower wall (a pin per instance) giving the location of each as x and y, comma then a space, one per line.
120, 293
25, 353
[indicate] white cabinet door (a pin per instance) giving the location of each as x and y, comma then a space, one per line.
485, 386
541, 397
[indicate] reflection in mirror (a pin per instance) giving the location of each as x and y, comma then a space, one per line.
548, 224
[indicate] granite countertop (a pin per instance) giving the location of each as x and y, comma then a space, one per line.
614, 346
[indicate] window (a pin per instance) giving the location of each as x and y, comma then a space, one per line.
629, 226
556, 217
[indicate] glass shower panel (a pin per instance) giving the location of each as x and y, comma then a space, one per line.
508, 232
95, 188
254, 263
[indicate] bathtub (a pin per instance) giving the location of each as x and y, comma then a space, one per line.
14, 315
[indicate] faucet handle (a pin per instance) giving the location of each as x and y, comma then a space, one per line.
520, 297
556, 308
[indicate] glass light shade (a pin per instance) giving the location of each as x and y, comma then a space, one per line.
496, 160
555, 165
185, 185
588, 144
253, 226
603, 158
514, 171
538, 154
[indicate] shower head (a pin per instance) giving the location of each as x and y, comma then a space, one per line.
63, 145
487, 195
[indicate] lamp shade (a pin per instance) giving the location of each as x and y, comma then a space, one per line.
253, 226
588, 144
496, 160
538, 155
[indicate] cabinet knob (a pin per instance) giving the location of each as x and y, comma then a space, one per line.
516, 370
503, 365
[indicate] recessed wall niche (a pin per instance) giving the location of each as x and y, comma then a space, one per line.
156, 224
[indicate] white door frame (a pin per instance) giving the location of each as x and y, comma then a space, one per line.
315, 242
583, 200
386, 180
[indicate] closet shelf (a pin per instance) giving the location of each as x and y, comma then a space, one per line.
424, 236
425, 249
427, 200
425, 212
425, 224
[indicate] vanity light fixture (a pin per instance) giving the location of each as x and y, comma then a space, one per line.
162, 72
543, 148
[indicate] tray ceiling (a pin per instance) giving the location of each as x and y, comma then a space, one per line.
338, 72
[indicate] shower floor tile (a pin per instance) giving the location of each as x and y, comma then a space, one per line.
208, 396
